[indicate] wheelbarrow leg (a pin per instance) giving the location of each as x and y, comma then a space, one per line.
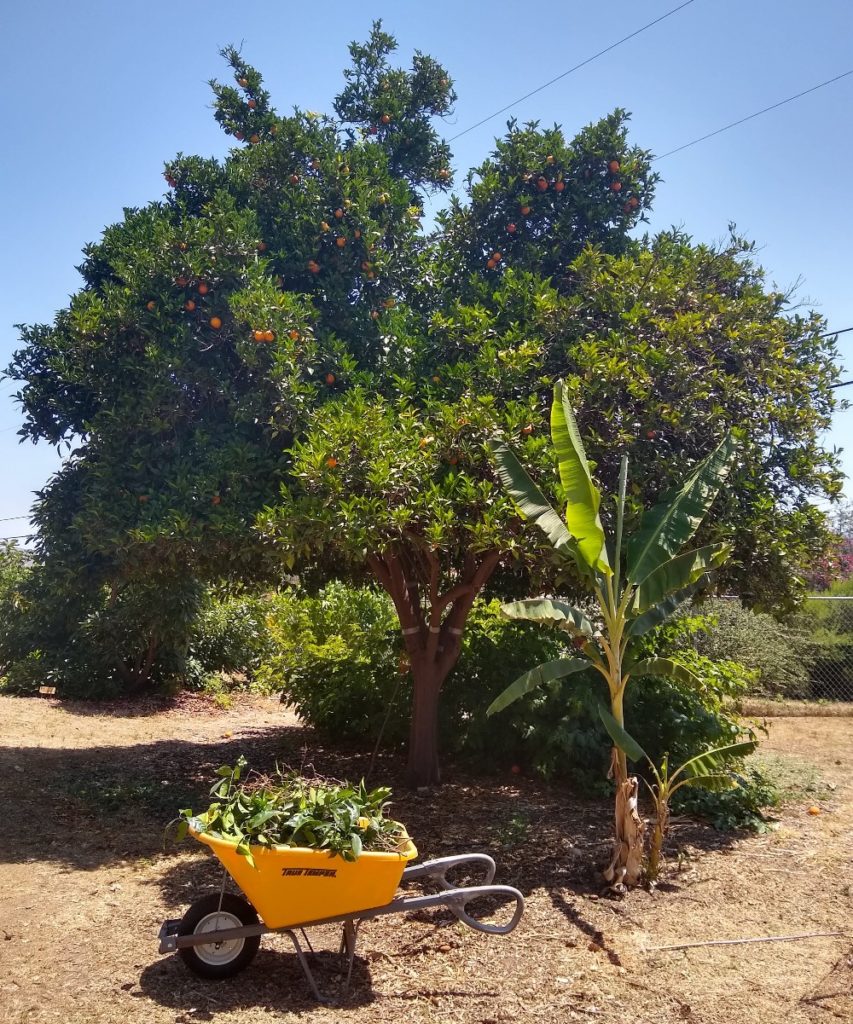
349, 939
306, 969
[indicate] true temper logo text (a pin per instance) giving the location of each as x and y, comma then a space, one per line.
313, 872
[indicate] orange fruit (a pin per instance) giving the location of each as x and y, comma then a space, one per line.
549, 159
313, 266
324, 226
491, 264
496, 256
294, 179
511, 228
258, 335
251, 104
516, 769
385, 119
616, 186
254, 139
453, 460
242, 82
372, 130
151, 306
340, 242
269, 336
525, 210
613, 167
189, 305
239, 135
294, 335
814, 810
143, 498
339, 213
444, 173
215, 323
542, 184
634, 202
374, 314
181, 282
651, 434
330, 379
356, 233
216, 500
262, 246
203, 288
331, 462
528, 430
559, 186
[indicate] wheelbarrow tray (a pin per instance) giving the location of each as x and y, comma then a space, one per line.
291, 885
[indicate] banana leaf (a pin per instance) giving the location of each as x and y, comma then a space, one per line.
531, 502
665, 668
543, 673
621, 739
667, 527
660, 612
544, 609
582, 496
677, 573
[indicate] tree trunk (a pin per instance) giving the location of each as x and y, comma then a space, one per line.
432, 623
423, 767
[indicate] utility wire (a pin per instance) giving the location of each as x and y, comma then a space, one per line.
571, 71
757, 113
8, 519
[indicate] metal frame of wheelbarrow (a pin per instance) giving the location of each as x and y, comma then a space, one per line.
455, 898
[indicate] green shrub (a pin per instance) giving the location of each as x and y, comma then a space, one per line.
780, 654
229, 638
336, 658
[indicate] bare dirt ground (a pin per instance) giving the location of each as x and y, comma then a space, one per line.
85, 882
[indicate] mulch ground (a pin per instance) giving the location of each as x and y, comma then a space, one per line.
85, 881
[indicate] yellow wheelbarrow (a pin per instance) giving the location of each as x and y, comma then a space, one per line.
291, 888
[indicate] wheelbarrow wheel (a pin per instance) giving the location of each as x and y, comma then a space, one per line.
217, 960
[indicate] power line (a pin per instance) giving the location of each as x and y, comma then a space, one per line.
831, 334
8, 519
757, 113
571, 71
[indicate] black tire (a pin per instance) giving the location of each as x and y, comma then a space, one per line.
219, 960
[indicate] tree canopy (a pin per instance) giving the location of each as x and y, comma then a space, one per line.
279, 366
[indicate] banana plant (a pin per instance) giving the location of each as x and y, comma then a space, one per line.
708, 769
635, 584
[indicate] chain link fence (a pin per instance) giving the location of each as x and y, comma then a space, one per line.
830, 658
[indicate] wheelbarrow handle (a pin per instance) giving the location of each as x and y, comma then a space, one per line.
458, 900
437, 869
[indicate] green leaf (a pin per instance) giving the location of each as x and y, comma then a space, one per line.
582, 496
544, 609
667, 527
707, 764
531, 502
544, 673
665, 668
627, 744
658, 614
677, 573
356, 845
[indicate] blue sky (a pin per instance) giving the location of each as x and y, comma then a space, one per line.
96, 96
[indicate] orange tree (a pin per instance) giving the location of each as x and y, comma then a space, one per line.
279, 343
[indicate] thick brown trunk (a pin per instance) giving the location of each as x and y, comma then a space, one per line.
423, 768
432, 622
